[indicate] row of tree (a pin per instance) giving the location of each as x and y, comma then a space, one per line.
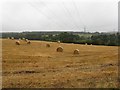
65, 37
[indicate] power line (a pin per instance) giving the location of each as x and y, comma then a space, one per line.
70, 15
53, 13
67, 15
56, 23
65, 8
78, 13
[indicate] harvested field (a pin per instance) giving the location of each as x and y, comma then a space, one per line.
35, 66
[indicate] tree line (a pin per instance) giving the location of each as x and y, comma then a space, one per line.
69, 37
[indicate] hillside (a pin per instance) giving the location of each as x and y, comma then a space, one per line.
37, 66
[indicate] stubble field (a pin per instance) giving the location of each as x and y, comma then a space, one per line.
38, 66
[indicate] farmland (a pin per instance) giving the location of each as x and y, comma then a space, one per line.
38, 66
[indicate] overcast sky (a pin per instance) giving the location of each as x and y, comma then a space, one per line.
54, 15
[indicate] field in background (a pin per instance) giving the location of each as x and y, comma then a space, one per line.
37, 66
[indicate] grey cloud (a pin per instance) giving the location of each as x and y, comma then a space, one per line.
61, 15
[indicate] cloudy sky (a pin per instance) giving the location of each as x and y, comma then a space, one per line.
62, 15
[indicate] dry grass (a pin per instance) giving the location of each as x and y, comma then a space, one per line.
29, 66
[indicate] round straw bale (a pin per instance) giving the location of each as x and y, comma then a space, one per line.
28, 42
76, 51
58, 41
12, 38
47, 45
59, 49
23, 38
17, 42
19, 38
85, 43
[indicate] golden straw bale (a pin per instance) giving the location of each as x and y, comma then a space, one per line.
59, 49
17, 42
76, 51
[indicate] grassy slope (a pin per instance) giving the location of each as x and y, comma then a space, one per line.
36, 65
